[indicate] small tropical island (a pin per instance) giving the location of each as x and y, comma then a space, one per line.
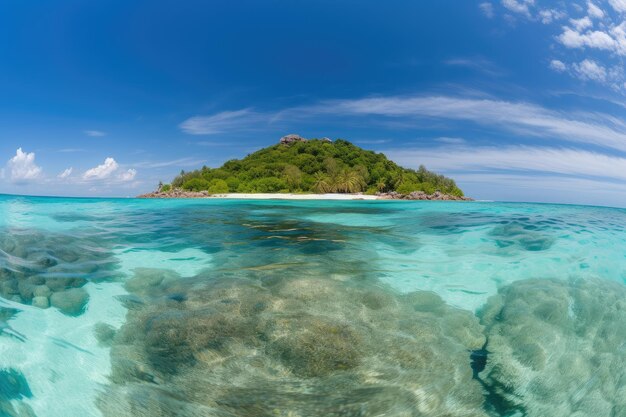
311, 168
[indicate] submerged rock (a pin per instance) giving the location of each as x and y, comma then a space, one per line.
71, 302
557, 348
287, 346
41, 302
35, 265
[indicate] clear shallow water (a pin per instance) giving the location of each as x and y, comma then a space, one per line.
266, 308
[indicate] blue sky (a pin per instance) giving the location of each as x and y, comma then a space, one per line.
519, 100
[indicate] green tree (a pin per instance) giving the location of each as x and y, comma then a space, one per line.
315, 166
293, 176
218, 186
196, 184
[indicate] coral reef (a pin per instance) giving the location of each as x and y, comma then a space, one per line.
557, 348
281, 343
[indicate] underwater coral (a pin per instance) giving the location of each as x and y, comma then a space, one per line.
557, 348
289, 344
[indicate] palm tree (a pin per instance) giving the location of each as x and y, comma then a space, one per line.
349, 181
322, 183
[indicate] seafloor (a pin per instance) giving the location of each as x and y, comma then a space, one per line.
310, 308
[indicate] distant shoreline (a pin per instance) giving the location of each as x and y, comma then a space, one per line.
291, 196
277, 196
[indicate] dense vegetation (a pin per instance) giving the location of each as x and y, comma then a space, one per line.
313, 166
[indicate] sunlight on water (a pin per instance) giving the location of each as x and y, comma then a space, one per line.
265, 308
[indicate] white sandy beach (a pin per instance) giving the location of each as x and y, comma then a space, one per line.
289, 196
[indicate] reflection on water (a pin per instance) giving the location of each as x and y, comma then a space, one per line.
235, 308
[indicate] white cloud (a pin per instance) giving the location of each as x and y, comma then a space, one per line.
595, 27
102, 171
94, 133
582, 23
66, 173
618, 5
592, 39
558, 66
519, 6
109, 170
590, 70
548, 16
220, 122
487, 9
128, 175
22, 167
594, 11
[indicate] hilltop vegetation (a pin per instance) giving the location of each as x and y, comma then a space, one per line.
313, 166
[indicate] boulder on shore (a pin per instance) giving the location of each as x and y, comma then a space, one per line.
421, 195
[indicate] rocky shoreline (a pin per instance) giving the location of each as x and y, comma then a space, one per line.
176, 193
416, 195
422, 196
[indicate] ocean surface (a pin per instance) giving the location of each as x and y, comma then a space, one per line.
123, 307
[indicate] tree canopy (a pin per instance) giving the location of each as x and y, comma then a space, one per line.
314, 166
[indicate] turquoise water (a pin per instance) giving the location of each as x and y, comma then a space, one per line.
310, 308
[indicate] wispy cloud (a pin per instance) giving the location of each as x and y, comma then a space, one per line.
181, 162
71, 150
66, 173
477, 64
450, 141
221, 122
94, 133
370, 141
210, 143
517, 117
544, 160
521, 118
487, 9
544, 188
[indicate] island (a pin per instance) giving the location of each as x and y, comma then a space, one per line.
299, 168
